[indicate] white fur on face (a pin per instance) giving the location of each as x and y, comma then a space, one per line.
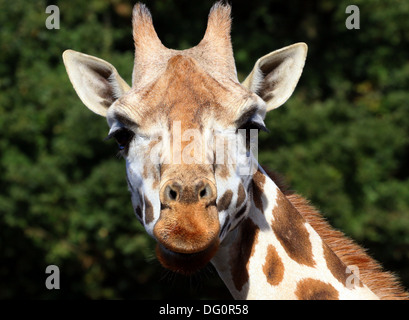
147, 153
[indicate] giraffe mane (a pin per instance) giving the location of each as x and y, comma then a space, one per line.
383, 283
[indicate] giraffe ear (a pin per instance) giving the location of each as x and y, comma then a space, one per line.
276, 74
96, 81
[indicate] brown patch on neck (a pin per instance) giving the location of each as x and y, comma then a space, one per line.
384, 284
242, 251
273, 268
225, 200
241, 195
336, 266
311, 289
258, 189
288, 226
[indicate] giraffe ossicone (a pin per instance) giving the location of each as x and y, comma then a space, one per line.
187, 129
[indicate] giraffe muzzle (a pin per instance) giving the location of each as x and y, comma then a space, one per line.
188, 228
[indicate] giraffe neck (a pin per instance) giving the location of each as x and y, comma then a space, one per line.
275, 254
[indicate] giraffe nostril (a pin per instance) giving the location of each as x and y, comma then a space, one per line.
171, 194
199, 191
203, 193
206, 192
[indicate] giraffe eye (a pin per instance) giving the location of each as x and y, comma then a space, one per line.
122, 136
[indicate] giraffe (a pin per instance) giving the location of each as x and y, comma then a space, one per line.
265, 241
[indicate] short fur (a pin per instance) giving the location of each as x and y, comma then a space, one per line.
384, 284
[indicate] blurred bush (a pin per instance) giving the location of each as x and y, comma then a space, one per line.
342, 140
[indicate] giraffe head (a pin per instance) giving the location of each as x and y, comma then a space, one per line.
184, 129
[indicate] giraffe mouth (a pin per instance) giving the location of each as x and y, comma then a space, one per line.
186, 263
187, 236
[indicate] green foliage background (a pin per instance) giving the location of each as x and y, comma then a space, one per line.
342, 140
